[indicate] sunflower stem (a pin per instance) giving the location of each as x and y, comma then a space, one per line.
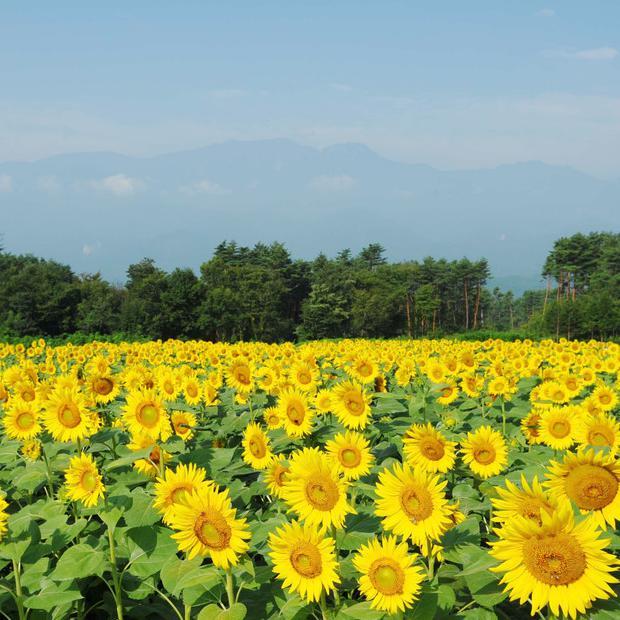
19, 597
230, 590
187, 612
503, 418
48, 471
323, 605
118, 592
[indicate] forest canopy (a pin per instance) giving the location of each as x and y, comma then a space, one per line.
263, 293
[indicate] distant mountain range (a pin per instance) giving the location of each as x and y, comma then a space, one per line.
102, 211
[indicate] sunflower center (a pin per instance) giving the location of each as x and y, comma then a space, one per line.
257, 447
556, 560
179, 494
446, 392
432, 449
279, 475
192, 390
103, 386
322, 493
243, 376
304, 377
212, 530
306, 560
69, 416
365, 369
416, 503
28, 395
560, 428
25, 420
354, 403
531, 508
168, 387
386, 576
600, 435
605, 399
591, 487
350, 457
295, 413
148, 415
88, 481
484, 454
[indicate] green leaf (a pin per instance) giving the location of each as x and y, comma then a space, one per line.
177, 575
149, 547
128, 459
52, 597
426, 606
79, 561
359, 611
141, 512
238, 611
446, 597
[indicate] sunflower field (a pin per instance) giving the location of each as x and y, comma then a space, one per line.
348, 480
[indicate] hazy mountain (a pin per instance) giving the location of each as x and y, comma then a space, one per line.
102, 211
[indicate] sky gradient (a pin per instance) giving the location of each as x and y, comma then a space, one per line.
450, 84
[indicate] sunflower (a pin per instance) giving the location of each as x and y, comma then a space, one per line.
484, 451
598, 431
150, 465
104, 388
528, 501
314, 491
426, 447
276, 476
558, 562
167, 383
304, 376
272, 418
207, 526
65, 415
239, 376
21, 420
363, 369
351, 453
175, 486
557, 427
591, 480
144, 413
323, 401
448, 394
605, 397
412, 503
83, 480
31, 449
351, 404
192, 391
183, 423
390, 579
304, 559
4, 517
295, 412
529, 427
256, 450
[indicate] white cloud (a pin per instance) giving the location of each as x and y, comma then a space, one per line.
119, 185
332, 183
596, 53
49, 183
89, 248
6, 183
205, 187
545, 13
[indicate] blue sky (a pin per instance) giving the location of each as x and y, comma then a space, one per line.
452, 84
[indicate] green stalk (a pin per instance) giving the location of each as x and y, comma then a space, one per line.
323, 605
230, 590
48, 470
118, 592
19, 596
503, 418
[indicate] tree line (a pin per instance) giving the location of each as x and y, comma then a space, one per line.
263, 293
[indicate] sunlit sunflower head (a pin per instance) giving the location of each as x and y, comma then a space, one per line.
304, 376
363, 369
315, 491
256, 449
351, 454
272, 417
499, 386
31, 449
295, 413
412, 503
484, 451
527, 501
83, 481
4, 517
276, 476
207, 525
104, 388
436, 372
21, 419
66, 416
530, 426
605, 397
150, 465
323, 401
351, 404
471, 384
556, 427
144, 413
192, 391
598, 431
175, 486
555, 392
390, 578
266, 379
558, 562
447, 393
183, 423
426, 447
167, 383
591, 480
304, 559
239, 375
25, 390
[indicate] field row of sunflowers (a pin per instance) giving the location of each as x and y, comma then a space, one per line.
343, 480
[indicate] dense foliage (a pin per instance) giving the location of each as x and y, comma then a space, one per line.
262, 293
350, 480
